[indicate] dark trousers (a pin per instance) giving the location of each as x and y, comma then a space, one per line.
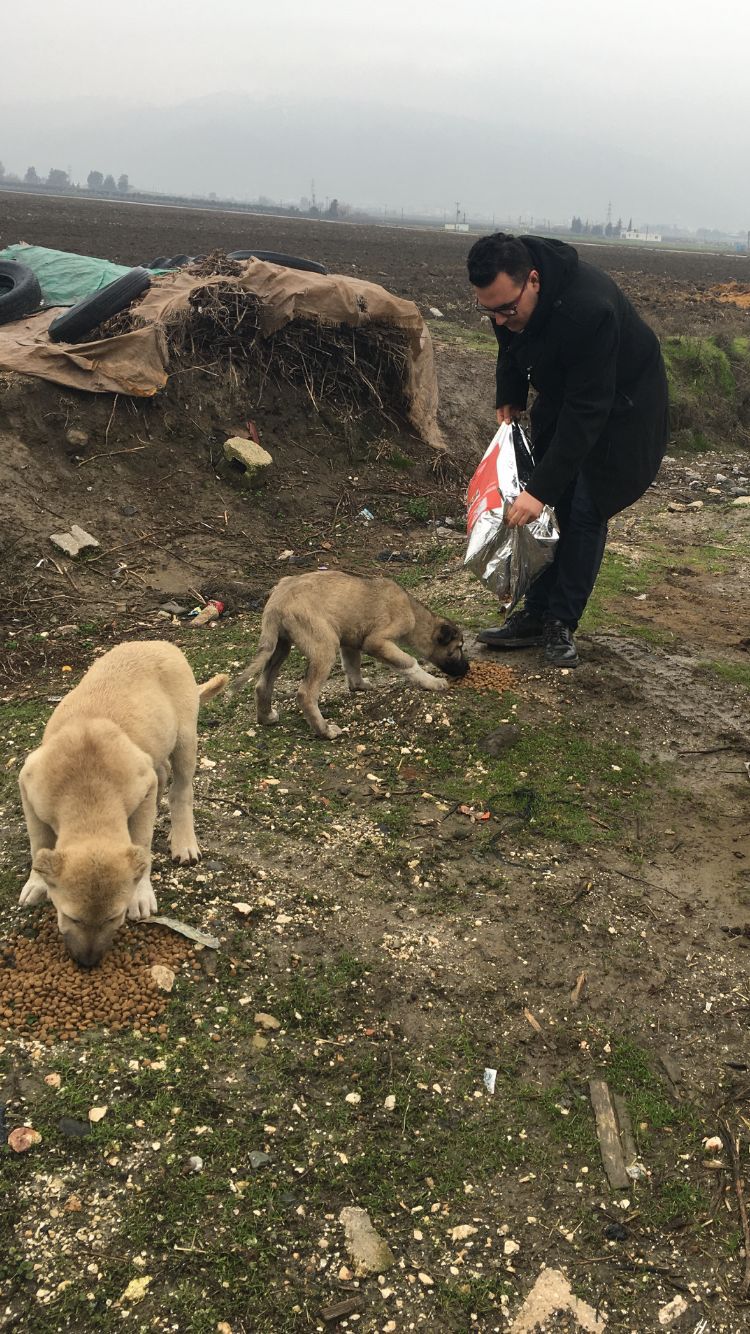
562, 590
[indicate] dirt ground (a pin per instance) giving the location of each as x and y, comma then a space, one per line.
419, 900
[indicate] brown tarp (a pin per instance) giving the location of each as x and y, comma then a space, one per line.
136, 363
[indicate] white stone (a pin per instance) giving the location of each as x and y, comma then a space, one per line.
252, 457
74, 542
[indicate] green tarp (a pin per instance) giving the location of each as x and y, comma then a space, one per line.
63, 277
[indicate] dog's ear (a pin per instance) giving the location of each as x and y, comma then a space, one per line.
446, 632
139, 860
49, 864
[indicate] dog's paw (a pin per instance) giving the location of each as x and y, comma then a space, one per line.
186, 852
143, 902
332, 731
34, 891
434, 682
271, 717
363, 683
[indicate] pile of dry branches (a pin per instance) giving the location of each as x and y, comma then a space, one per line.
345, 370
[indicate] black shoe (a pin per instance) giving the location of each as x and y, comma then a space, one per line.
559, 645
521, 630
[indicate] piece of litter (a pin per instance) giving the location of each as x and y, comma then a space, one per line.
489, 1078
182, 929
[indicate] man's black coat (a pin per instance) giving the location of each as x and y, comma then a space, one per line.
601, 403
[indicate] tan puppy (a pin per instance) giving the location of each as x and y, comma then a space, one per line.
90, 790
328, 612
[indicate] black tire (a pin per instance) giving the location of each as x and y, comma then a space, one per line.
272, 257
93, 310
20, 293
177, 262
170, 262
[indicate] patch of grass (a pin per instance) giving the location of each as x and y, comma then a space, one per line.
419, 508
736, 672
698, 364
475, 339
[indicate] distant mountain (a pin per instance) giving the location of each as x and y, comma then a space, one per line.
367, 155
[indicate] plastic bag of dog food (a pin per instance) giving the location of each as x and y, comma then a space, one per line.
507, 560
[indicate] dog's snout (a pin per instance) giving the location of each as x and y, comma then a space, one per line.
456, 666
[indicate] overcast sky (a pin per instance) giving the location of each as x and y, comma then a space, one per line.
537, 108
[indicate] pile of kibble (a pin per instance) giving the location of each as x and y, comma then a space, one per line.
45, 995
488, 678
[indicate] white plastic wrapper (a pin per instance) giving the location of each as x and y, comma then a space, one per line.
507, 560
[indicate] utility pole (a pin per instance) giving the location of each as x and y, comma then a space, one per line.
458, 212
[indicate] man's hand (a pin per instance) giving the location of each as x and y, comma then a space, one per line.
524, 508
507, 414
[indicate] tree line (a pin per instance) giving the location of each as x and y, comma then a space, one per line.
57, 179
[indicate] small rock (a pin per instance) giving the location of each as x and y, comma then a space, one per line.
97, 1114
128, 511
23, 1138
673, 1310
435, 313
697, 505
75, 438
54, 1081
511, 1247
267, 1021
72, 1205
246, 458
463, 1231
67, 1125
370, 1253
353, 1098
390, 1102
163, 976
426, 1279
244, 909
195, 1162
741, 500
74, 542
503, 739
137, 1289
259, 1043
259, 1159
616, 1232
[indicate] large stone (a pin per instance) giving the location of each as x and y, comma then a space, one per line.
246, 460
742, 500
74, 542
371, 1255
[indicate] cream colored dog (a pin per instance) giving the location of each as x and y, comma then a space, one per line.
91, 788
327, 612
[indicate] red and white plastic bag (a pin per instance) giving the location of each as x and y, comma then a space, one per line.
507, 560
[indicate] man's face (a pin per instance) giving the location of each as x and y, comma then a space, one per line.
508, 302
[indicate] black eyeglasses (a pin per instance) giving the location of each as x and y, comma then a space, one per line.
507, 308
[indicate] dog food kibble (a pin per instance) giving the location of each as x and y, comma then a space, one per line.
45, 995
488, 678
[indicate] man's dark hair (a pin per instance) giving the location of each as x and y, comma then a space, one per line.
499, 253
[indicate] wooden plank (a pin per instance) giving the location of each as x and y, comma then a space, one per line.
627, 1138
608, 1134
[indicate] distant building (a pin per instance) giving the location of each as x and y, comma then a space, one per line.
633, 235
456, 226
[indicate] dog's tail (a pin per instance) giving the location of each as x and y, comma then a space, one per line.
254, 668
269, 638
212, 687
